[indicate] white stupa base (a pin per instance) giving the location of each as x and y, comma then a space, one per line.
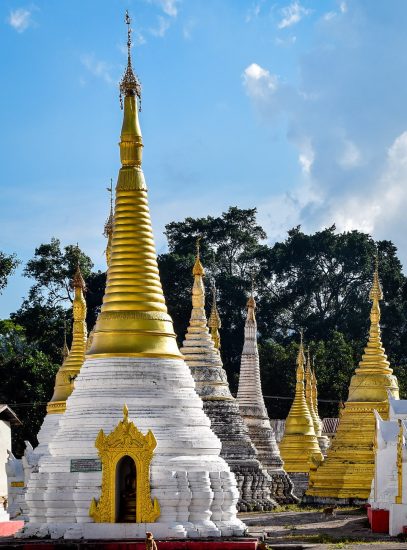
195, 488
115, 531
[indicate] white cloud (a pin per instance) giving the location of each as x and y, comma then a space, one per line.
20, 19
254, 11
329, 16
96, 67
343, 7
289, 41
188, 28
169, 7
292, 15
385, 203
306, 157
259, 82
163, 25
350, 156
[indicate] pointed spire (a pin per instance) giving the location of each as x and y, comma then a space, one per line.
214, 322
198, 269
73, 362
133, 321
130, 84
308, 395
374, 358
315, 396
108, 229
299, 446
199, 349
299, 420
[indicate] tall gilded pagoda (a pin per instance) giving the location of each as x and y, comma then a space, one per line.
299, 446
254, 412
205, 362
134, 451
347, 473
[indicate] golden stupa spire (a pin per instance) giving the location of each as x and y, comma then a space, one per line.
299, 447
308, 395
133, 319
73, 361
374, 358
108, 228
348, 469
315, 398
214, 322
299, 418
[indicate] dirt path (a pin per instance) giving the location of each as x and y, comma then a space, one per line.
303, 529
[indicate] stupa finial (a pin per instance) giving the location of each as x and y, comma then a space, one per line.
374, 357
309, 394
108, 229
198, 270
214, 321
251, 302
78, 280
130, 84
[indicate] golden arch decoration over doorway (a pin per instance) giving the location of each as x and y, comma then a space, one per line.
126, 443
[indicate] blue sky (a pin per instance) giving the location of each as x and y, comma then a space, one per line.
299, 108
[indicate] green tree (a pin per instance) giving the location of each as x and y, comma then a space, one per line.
47, 309
28, 377
8, 263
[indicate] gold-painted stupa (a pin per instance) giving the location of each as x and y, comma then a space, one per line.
133, 321
214, 322
299, 447
73, 359
348, 470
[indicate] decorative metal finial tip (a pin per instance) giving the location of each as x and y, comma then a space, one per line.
125, 413
198, 246
130, 84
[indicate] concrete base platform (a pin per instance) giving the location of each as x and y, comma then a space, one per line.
219, 544
332, 501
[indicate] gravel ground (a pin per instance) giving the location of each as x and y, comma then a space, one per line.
303, 530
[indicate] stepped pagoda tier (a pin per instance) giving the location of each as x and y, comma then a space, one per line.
254, 412
299, 446
205, 363
348, 470
134, 451
311, 397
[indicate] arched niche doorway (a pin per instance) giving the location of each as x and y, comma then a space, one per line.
126, 490
126, 455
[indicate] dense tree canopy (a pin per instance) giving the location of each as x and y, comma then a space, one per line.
318, 282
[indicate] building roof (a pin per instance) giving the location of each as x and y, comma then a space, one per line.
6, 413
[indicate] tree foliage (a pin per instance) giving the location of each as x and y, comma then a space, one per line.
8, 263
28, 377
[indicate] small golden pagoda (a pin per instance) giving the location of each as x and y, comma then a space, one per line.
73, 359
214, 322
348, 470
311, 394
308, 396
299, 447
